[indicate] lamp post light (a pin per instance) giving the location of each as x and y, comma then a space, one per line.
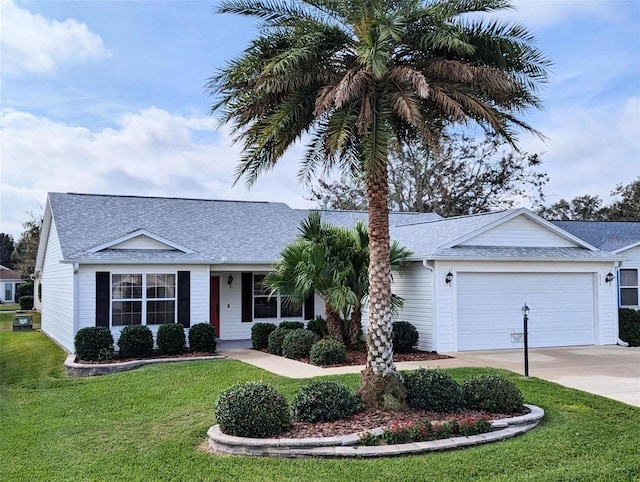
525, 315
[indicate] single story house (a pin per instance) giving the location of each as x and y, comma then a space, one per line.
118, 260
9, 280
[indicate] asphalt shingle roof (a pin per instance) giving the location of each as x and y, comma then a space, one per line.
604, 235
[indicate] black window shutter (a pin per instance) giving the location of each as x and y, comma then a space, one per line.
103, 298
247, 297
184, 298
309, 307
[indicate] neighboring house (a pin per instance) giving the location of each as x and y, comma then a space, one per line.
118, 260
9, 280
619, 237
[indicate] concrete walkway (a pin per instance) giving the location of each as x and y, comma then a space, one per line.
610, 371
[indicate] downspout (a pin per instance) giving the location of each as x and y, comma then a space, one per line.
620, 342
434, 304
76, 302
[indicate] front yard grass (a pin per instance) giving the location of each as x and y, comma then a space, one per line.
147, 424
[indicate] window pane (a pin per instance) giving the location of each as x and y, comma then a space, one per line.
265, 308
289, 310
161, 286
628, 277
629, 296
126, 313
126, 286
258, 288
161, 312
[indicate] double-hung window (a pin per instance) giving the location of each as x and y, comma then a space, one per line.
628, 287
138, 299
274, 307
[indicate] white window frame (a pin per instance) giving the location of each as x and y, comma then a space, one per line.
279, 302
144, 299
636, 287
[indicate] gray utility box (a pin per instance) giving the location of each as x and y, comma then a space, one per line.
22, 322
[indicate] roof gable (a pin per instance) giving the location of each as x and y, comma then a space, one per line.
141, 239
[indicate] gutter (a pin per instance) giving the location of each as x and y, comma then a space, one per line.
76, 302
434, 304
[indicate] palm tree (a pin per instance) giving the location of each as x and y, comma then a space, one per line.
350, 77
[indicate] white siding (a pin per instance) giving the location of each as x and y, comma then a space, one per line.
140, 242
87, 291
416, 287
633, 262
57, 294
519, 231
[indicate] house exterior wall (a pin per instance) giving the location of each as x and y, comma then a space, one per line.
633, 262
12, 286
87, 291
446, 312
519, 231
57, 294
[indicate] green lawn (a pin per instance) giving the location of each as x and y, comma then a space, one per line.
147, 424
9, 307
6, 320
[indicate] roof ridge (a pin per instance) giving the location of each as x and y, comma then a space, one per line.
170, 198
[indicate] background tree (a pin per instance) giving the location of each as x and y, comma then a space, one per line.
6, 249
625, 206
459, 176
352, 78
25, 251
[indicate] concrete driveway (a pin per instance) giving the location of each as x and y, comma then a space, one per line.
610, 371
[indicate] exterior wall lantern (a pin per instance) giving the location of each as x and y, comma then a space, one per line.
525, 315
448, 278
230, 280
609, 278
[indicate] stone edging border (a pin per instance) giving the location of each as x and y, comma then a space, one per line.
89, 370
345, 446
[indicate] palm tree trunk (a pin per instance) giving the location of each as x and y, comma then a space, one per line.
380, 386
354, 329
334, 324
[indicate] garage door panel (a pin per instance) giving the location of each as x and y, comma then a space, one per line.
489, 309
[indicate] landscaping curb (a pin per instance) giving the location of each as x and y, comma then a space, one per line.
90, 370
346, 445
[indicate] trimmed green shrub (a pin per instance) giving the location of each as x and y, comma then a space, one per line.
324, 401
24, 289
319, 326
629, 326
94, 343
405, 337
492, 393
297, 343
276, 337
202, 337
260, 335
136, 341
26, 302
171, 339
328, 352
291, 325
432, 390
252, 409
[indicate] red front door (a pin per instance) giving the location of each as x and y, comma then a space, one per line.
214, 304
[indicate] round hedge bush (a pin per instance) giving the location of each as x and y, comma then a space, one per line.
629, 326
297, 343
276, 338
405, 337
202, 337
328, 352
252, 409
324, 401
171, 339
432, 390
136, 341
260, 335
94, 343
492, 393
291, 325
319, 326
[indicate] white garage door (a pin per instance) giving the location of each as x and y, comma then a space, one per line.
489, 304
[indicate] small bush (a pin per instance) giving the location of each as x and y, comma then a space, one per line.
319, 326
629, 326
328, 352
171, 339
324, 401
94, 343
405, 337
252, 409
492, 393
297, 343
260, 335
291, 325
276, 337
24, 289
202, 337
432, 390
26, 302
136, 341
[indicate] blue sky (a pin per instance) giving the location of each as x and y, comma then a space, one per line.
108, 97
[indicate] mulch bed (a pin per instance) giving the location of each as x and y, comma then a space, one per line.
360, 357
116, 359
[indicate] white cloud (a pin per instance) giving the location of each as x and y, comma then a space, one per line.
31, 43
150, 152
